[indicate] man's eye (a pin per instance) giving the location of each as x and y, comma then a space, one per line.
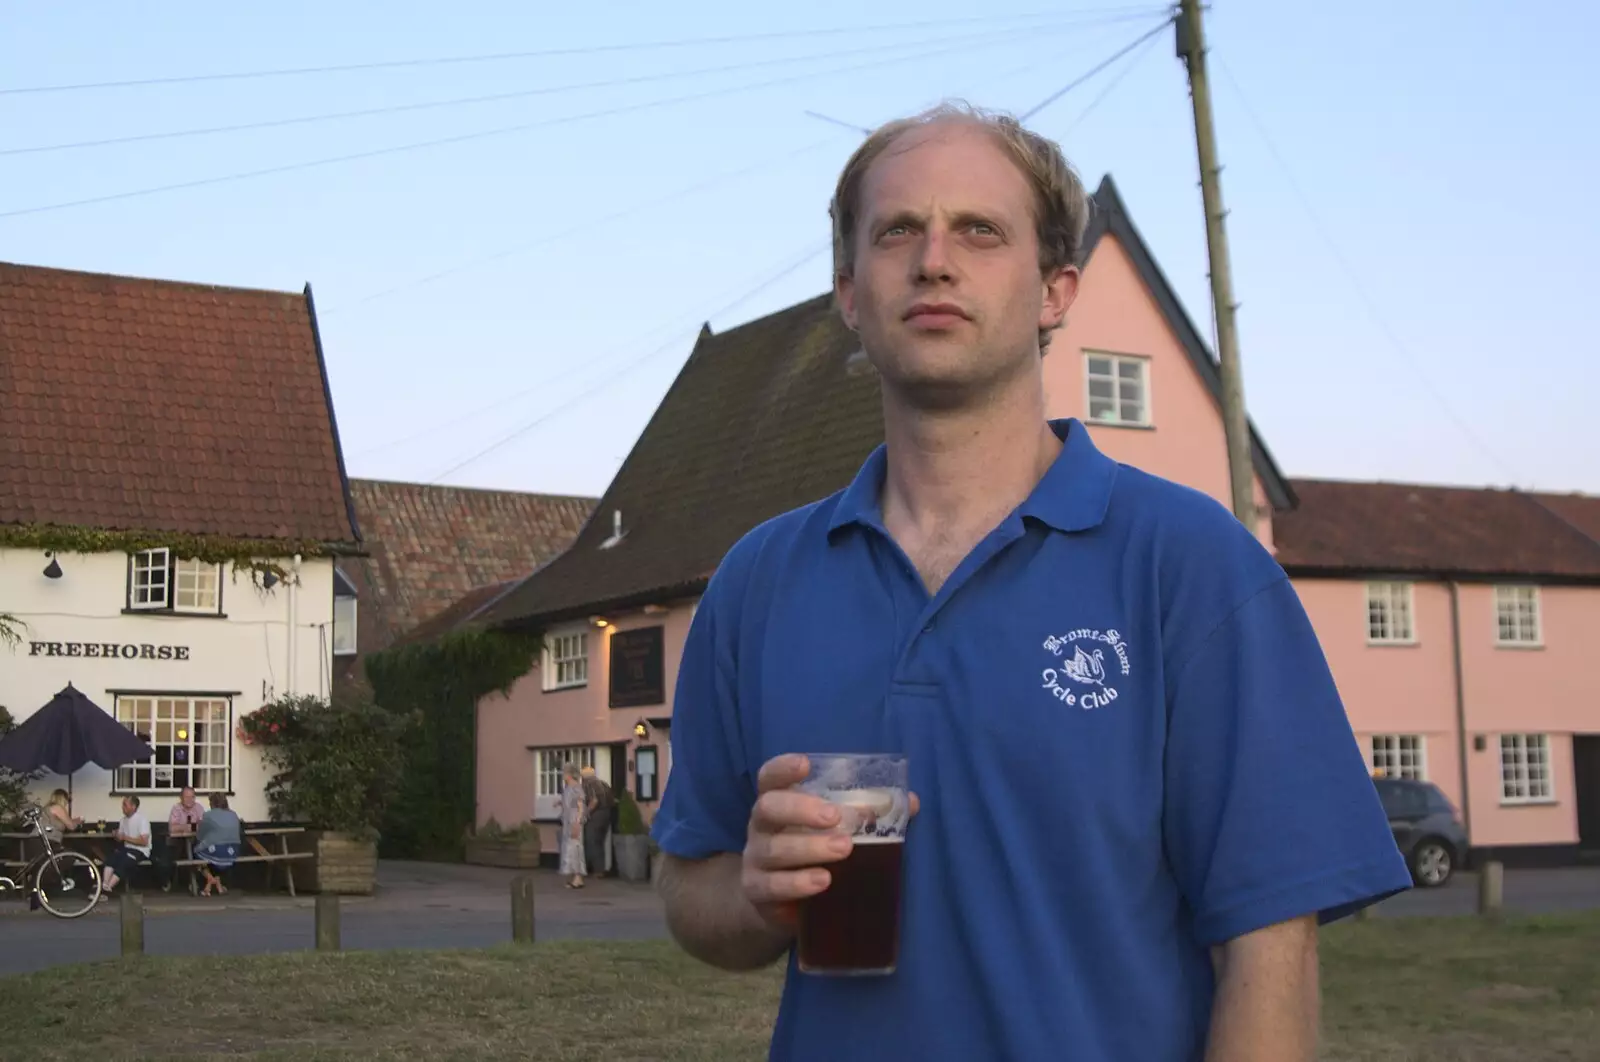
896, 230
983, 228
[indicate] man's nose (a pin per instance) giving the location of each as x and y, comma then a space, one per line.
933, 258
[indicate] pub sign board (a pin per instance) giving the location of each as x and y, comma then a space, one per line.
110, 650
638, 673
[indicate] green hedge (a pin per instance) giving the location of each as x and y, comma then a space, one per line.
442, 681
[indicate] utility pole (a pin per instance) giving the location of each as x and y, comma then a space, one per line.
1192, 50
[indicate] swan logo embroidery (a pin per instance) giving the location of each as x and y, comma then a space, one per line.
1082, 677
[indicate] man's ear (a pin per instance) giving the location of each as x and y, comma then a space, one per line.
1060, 291
844, 296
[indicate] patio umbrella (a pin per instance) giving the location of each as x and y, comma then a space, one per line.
67, 733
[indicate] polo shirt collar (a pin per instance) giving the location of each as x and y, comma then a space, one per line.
1073, 495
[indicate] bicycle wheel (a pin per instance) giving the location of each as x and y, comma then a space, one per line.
68, 885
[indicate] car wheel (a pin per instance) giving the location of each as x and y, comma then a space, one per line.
1432, 863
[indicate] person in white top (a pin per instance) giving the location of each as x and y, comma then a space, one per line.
133, 844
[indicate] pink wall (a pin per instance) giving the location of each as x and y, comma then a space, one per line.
528, 716
1410, 689
1114, 314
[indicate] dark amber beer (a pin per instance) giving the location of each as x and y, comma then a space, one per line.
852, 928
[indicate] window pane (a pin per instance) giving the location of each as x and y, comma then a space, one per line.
1099, 367
1130, 370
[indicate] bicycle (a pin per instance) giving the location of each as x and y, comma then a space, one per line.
56, 877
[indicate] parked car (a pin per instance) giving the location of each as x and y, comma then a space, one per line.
1426, 828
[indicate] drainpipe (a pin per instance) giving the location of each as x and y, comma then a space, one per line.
1461, 709
294, 621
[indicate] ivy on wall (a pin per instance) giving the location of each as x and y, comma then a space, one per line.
245, 554
442, 681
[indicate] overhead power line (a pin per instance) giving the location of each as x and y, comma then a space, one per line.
1354, 278
462, 101
1091, 15
622, 372
1092, 71
460, 138
585, 226
1109, 88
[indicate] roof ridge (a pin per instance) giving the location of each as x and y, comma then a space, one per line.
376, 481
161, 281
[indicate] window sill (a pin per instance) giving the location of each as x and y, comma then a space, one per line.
1091, 423
173, 613
1520, 646
569, 686
1394, 643
345, 654
174, 793
1542, 802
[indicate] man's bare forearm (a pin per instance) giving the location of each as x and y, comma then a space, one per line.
710, 918
1267, 1002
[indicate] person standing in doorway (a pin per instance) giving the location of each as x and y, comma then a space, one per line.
598, 803
1102, 682
572, 816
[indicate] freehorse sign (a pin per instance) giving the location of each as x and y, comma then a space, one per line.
103, 650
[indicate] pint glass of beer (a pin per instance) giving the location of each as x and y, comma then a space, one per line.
852, 928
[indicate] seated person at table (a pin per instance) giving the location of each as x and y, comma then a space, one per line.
133, 844
217, 842
181, 822
58, 818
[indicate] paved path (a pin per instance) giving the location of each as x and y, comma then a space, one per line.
434, 905
417, 905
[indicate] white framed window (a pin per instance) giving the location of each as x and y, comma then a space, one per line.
1525, 769
159, 581
548, 763
566, 660
1516, 615
1399, 756
344, 626
1389, 620
192, 738
1118, 388
149, 584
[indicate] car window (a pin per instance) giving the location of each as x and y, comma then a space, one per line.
1438, 802
1402, 801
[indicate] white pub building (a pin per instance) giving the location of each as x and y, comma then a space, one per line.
172, 498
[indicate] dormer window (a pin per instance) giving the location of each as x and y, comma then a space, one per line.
160, 582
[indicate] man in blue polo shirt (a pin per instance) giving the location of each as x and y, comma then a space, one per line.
1138, 792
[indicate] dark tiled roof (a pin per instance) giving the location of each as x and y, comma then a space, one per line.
1581, 511
762, 419
765, 418
1404, 529
152, 405
428, 546
462, 612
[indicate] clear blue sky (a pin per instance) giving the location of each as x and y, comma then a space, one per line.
1448, 150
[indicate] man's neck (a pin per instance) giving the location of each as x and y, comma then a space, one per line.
951, 467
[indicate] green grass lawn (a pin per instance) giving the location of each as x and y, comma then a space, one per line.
1455, 990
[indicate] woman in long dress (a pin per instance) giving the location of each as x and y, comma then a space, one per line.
572, 816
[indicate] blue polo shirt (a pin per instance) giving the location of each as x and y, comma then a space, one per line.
1126, 740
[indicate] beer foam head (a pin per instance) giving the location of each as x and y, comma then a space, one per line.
876, 802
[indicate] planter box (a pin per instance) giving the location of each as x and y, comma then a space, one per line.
343, 865
632, 853
518, 852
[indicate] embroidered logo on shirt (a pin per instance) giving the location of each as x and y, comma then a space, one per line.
1081, 676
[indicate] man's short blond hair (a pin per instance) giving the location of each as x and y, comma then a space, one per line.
1061, 205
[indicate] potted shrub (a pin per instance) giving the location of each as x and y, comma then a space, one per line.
493, 845
631, 843
336, 766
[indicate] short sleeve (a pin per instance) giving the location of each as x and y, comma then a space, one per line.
705, 806
1269, 813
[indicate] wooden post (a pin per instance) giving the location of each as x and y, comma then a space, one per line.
327, 921
132, 923
522, 909
1491, 888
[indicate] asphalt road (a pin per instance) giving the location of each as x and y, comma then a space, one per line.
438, 906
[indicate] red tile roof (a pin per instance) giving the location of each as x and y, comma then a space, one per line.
1346, 527
152, 405
428, 547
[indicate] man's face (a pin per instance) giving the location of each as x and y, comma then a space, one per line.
127, 807
187, 797
946, 292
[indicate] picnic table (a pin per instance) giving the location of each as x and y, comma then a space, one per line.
267, 843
